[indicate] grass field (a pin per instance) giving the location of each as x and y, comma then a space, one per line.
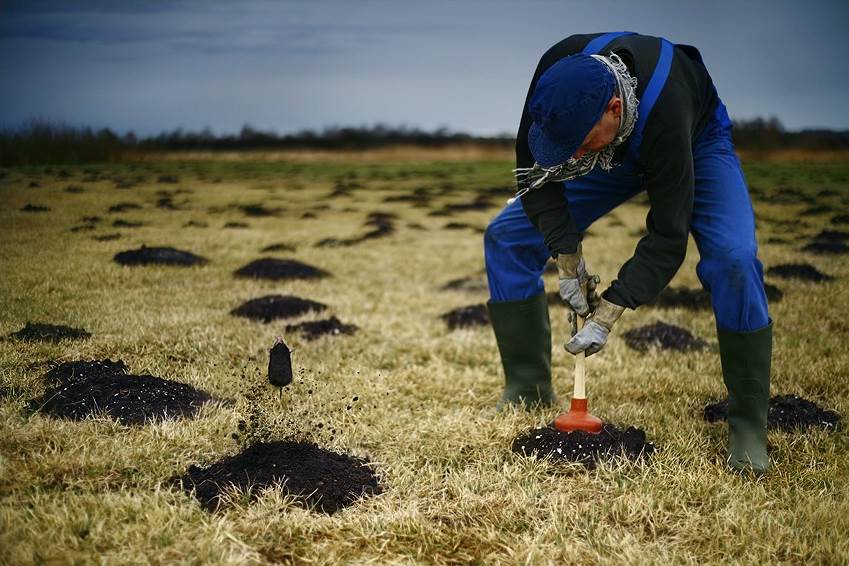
97, 492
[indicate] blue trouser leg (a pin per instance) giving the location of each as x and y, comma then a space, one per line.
723, 225
514, 250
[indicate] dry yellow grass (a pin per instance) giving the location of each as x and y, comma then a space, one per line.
95, 492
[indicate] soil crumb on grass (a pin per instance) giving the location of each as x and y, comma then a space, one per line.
382, 223
34, 208
158, 256
663, 336
786, 412
318, 478
124, 206
258, 210
79, 390
465, 317
277, 269
802, 271
315, 329
272, 307
42, 332
840, 219
699, 299
611, 444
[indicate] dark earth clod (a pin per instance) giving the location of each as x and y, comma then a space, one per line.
271, 307
786, 412
158, 256
42, 332
34, 208
464, 317
824, 247
663, 336
279, 269
315, 329
318, 478
79, 390
801, 271
610, 445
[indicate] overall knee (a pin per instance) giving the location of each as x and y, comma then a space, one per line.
492, 237
732, 266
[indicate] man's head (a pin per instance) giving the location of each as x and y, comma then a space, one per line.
575, 109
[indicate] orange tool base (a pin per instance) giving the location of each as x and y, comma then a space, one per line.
578, 418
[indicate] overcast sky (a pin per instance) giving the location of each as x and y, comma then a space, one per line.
150, 66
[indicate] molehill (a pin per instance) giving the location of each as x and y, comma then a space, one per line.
801, 271
81, 389
464, 317
158, 256
786, 412
280, 269
611, 444
42, 332
315, 329
319, 479
663, 336
271, 307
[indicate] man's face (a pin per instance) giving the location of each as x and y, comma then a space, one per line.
604, 132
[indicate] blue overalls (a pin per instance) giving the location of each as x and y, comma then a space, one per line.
722, 222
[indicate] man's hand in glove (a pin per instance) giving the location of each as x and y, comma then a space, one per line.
593, 336
572, 271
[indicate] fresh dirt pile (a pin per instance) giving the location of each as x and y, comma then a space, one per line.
41, 332
801, 271
327, 481
279, 247
821, 247
786, 412
158, 256
382, 223
271, 307
663, 336
585, 448
258, 210
699, 299
463, 317
467, 284
315, 329
34, 208
280, 269
79, 390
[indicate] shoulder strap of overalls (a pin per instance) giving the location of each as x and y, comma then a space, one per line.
652, 91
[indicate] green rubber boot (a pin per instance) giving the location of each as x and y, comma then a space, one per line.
523, 332
746, 358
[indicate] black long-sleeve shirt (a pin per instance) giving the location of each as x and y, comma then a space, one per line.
665, 164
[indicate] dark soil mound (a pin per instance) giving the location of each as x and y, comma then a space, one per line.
826, 248
79, 390
803, 271
469, 284
699, 299
277, 269
74, 189
108, 237
816, 210
124, 206
786, 412
167, 179
319, 478
831, 236
663, 336
463, 317
258, 210
231, 225
840, 219
158, 256
272, 307
34, 208
280, 247
39, 332
121, 223
584, 448
382, 225
315, 329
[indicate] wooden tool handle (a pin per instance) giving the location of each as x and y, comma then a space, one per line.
580, 391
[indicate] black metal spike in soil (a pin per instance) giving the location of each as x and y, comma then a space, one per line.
465, 317
272, 307
319, 479
85, 389
158, 256
786, 412
280, 269
42, 332
801, 271
315, 329
280, 364
663, 336
611, 444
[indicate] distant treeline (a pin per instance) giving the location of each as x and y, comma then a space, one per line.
40, 142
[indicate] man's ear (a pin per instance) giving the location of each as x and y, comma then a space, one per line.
615, 105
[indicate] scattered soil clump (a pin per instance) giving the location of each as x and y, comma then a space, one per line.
170, 179
272, 307
231, 225
802, 271
124, 206
821, 247
121, 223
786, 412
465, 317
258, 210
327, 481
611, 444
158, 256
108, 237
79, 390
34, 208
279, 247
383, 225
279, 269
840, 219
315, 329
663, 336
41, 332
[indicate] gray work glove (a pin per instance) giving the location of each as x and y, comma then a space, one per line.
593, 336
572, 270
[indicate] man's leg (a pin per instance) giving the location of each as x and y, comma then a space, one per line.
724, 228
515, 256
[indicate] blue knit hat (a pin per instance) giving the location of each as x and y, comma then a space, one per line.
569, 99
